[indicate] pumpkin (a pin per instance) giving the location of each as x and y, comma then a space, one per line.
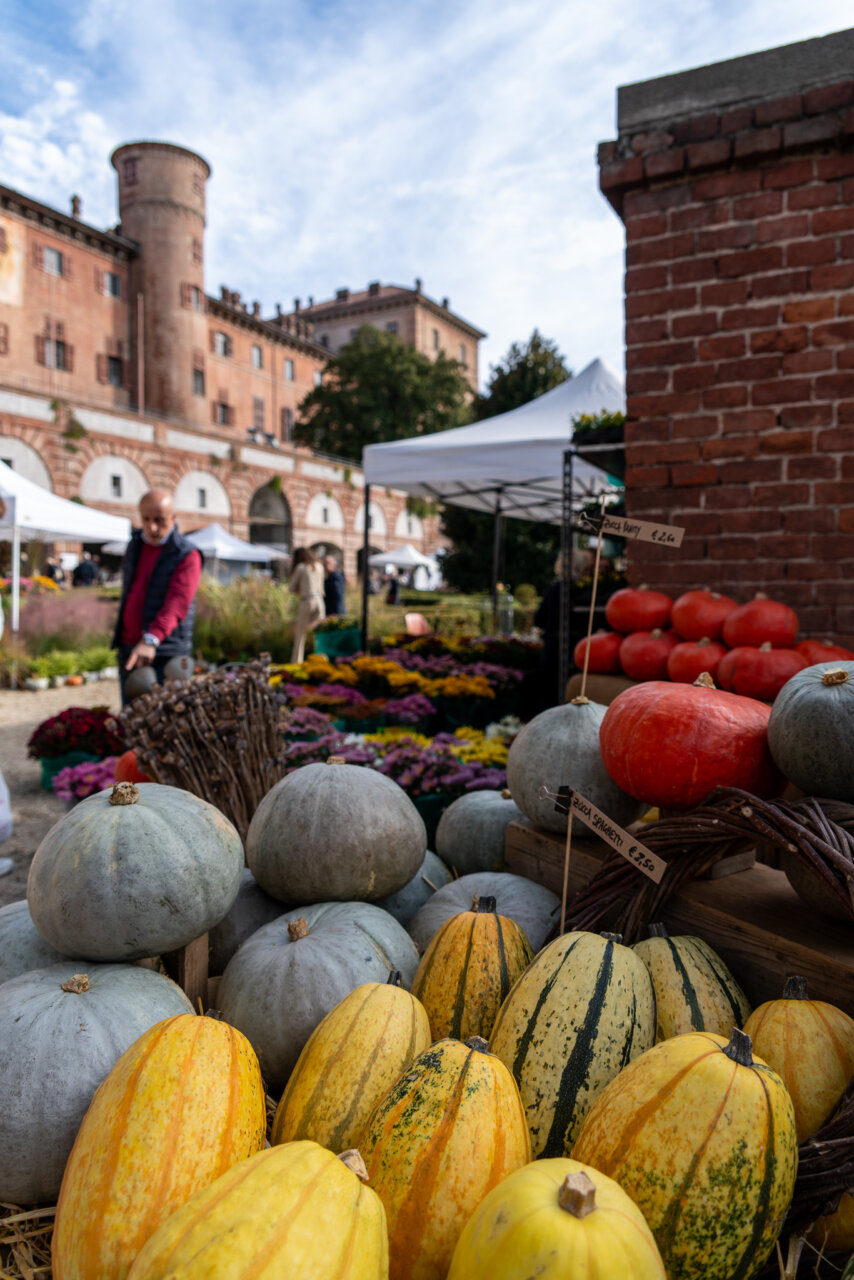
644, 654
430, 876
758, 673
350, 1062
337, 832
60, 1034
815, 651
285, 979
701, 613
604, 657
468, 969
471, 831
810, 1044
447, 1132
182, 1105
556, 1220
134, 872
21, 945
295, 1210
579, 1013
810, 730
251, 909
672, 744
702, 1137
560, 747
834, 1232
759, 621
533, 907
688, 660
694, 989
638, 609
127, 770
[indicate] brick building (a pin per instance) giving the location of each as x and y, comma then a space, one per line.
118, 372
735, 183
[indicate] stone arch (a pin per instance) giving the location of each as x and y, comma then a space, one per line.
322, 549
408, 526
201, 494
270, 519
378, 523
115, 479
25, 460
324, 512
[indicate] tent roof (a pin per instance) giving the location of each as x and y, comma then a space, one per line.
42, 515
219, 544
515, 458
405, 557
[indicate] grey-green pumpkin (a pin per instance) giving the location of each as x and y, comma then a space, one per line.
430, 876
472, 830
21, 945
811, 730
250, 911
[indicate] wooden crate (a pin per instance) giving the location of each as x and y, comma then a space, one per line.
754, 919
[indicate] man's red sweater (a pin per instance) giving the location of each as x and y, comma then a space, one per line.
179, 596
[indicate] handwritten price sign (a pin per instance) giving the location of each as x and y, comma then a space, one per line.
666, 535
626, 845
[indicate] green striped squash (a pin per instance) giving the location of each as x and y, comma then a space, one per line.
575, 1018
694, 989
848, 1273
702, 1137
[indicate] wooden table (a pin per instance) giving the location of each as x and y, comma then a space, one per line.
754, 918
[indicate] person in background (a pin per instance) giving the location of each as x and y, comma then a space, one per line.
306, 582
54, 570
334, 588
160, 577
392, 595
86, 573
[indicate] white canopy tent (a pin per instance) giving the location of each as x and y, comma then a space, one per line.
30, 513
219, 544
405, 557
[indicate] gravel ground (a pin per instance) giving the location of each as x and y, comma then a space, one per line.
34, 811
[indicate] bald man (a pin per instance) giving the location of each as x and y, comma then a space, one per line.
160, 576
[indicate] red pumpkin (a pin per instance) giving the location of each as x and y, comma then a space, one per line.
604, 653
638, 609
698, 614
643, 654
127, 770
759, 621
758, 672
823, 651
690, 659
671, 744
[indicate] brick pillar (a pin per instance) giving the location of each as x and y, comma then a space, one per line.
739, 217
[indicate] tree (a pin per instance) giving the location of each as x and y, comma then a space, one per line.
530, 549
376, 388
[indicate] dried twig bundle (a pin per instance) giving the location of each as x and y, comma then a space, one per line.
25, 1236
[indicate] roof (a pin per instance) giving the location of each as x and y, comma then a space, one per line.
383, 297
63, 223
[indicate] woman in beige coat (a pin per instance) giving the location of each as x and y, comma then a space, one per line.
306, 581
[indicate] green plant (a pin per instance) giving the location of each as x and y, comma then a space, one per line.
341, 622
97, 658
276, 484
214, 460
74, 429
40, 668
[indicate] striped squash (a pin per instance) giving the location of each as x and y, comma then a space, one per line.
351, 1060
702, 1137
578, 1014
451, 1128
183, 1104
556, 1220
848, 1273
295, 1210
810, 1044
468, 969
694, 989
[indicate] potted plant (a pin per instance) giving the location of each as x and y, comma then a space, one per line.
76, 735
39, 677
338, 637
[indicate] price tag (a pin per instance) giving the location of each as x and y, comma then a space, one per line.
665, 535
626, 845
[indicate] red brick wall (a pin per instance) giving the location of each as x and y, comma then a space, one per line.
740, 349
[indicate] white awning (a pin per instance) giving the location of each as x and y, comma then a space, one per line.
218, 544
43, 516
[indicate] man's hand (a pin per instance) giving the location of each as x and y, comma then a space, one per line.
141, 655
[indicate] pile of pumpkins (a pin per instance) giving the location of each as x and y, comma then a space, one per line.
750, 649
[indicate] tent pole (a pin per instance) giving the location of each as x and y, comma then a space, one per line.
565, 636
496, 560
16, 576
366, 547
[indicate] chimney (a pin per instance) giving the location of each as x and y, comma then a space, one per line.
310, 300
278, 310
296, 304
223, 293
256, 308
341, 295
76, 206
374, 288
417, 284
446, 302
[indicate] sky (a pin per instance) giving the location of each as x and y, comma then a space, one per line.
361, 140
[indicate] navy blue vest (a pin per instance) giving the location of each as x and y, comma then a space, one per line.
173, 551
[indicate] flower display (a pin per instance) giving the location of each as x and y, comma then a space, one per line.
82, 780
94, 730
413, 708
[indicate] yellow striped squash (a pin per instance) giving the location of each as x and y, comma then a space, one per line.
556, 1220
468, 969
810, 1044
295, 1210
578, 1014
451, 1128
702, 1137
350, 1061
183, 1104
694, 989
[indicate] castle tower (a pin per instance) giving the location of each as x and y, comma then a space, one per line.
162, 206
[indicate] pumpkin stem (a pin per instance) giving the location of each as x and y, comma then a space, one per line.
352, 1158
740, 1048
795, 988
766, 647
124, 793
395, 978
836, 676
656, 634
705, 640
478, 1044
336, 760
658, 931
580, 701
715, 595
298, 929
612, 937
577, 1194
76, 984
484, 905
505, 794
704, 681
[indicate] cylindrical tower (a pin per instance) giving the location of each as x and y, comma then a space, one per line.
162, 206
